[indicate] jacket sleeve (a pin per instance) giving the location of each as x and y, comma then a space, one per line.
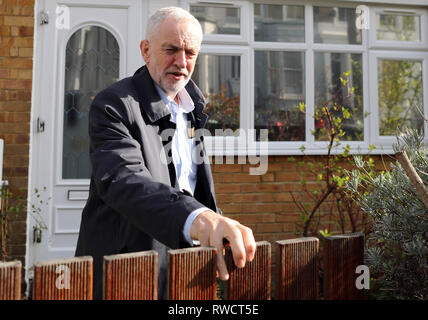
122, 179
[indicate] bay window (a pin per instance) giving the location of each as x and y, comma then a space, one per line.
273, 65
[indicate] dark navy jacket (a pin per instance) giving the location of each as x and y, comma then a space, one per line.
134, 202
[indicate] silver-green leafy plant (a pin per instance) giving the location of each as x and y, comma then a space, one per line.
397, 247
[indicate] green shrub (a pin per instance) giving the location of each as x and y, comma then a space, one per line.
397, 247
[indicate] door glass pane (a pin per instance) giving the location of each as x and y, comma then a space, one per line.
279, 89
400, 95
279, 23
398, 27
218, 20
336, 25
338, 86
92, 63
219, 78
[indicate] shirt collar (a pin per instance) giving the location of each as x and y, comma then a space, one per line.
186, 102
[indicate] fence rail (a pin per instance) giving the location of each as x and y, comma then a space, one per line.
63, 279
298, 269
10, 280
253, 282
342, 253
192, 273
131, 276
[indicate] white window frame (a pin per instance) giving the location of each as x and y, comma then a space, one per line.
374, 43
282, 147
370, 49
217, 145
321, 147
62, 55
384, 142
242, 38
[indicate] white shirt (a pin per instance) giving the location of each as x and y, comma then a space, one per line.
181, 149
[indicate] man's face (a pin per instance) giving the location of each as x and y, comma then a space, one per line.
171, 54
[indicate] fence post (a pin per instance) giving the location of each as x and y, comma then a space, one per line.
297, 263
342, 255
63, 279
131, 276
192, 274
10, 280
253, 282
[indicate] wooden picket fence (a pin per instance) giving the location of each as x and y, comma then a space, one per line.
192, 273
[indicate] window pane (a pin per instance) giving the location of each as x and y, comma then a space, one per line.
219, 79
400, 94
218, 20
335, 89
92, 63
398, 27
279, 89
279, 23
335, 25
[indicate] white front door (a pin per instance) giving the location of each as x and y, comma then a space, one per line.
84, 47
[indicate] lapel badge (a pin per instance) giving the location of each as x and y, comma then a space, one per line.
191, 132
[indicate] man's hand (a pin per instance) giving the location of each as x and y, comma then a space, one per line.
210, 228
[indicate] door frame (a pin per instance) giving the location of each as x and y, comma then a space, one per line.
45, 64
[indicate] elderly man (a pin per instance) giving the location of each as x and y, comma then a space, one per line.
138, 202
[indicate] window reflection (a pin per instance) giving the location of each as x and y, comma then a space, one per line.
218, 20
92, 63
398, 27
279, 89
335, 25
219, 78
400, 95
279, 23
338, 83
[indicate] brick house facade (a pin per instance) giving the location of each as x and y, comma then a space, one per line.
263, 202
16, 61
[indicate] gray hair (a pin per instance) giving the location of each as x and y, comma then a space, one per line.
160, 15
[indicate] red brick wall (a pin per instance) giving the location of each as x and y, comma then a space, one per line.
266, 202
16, 61
263, 202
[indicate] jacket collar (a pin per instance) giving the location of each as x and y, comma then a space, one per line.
152, 104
